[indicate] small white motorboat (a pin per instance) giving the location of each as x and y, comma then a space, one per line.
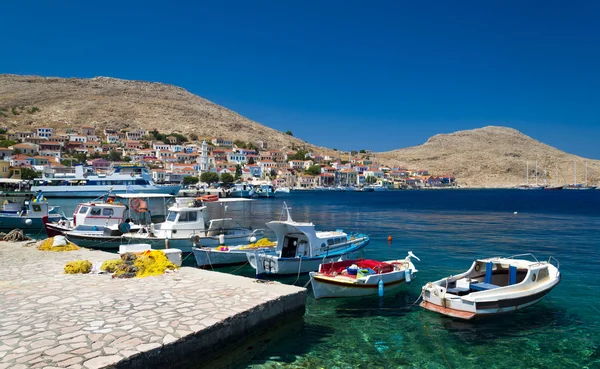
230, 255
492, 286
361, 277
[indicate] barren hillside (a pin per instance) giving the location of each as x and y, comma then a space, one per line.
121, 104
492, 157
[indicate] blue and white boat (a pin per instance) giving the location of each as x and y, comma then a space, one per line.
243, 190
301, 249
265, 190
29, 215
86, 183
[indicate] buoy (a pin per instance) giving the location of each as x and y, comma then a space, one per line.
380, 287
516, 213
407, 275
28, 221
252, 239
222, 239
390, 238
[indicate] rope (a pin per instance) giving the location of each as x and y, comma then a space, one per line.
240, 267
299, 268
441, 348
15, 235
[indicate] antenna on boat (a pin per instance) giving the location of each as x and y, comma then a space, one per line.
287, 210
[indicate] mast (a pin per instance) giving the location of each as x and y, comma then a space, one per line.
575, 173
586, 184
527, 174
536, 174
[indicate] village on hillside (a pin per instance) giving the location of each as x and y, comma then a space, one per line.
175, 158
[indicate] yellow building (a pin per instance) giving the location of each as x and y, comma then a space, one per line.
6, 171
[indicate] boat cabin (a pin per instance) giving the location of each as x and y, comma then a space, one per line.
31, 209
99, 214
296, 239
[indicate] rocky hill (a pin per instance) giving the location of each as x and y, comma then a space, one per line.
492, 157
121, 104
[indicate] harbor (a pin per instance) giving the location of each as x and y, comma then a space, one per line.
52, 319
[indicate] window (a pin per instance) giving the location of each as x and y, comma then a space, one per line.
83, 210
95, 211
188, 217
330, 242
36, 207
171, 217
108, 212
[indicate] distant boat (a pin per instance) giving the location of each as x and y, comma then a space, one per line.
80, 183
242, 190
282, 189
528, 186
577, 186
265, 190
556, 187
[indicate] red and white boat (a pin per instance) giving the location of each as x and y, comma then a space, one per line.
361, 277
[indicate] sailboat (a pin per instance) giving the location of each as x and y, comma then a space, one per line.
578, 186
527, 186
556, 186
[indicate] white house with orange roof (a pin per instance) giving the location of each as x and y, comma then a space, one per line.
266, 166
307, 181
296, 164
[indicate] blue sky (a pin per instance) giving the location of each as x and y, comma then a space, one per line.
346, 74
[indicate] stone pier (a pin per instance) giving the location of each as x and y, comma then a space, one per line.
49, 319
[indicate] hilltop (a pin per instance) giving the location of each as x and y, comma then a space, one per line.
491, 157
103, 102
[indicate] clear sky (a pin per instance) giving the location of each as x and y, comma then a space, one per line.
345, 74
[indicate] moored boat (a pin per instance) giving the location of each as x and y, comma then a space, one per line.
301, 249
265, 190
86, 183
492, 286
31, 215
230, 255
361, 277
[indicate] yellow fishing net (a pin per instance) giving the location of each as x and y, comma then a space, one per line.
263, 242
46, 245
78, 266
152, 262
110, 266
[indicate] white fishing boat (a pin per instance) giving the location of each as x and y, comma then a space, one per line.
187, 224
301, 249
111, 215
86, 183
361, 277
30, 215
229, 255
492, 286
379, 188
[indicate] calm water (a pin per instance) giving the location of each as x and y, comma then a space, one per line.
447, 230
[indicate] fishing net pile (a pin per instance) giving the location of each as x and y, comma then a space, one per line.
263, 242
148, 263
78, 267
57, 244
15, 235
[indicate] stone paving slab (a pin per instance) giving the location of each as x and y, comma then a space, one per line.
50, 319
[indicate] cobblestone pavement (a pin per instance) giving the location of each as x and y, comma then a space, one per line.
51, 319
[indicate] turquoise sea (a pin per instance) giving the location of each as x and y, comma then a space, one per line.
447, 230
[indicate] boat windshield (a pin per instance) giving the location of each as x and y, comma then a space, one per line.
171, 217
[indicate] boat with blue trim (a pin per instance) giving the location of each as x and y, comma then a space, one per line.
492, 286
30, 215
85, 182
301, 249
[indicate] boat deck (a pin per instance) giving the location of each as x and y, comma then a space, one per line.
51, 319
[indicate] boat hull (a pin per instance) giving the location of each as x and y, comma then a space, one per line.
328, 287
10, 222
211, 257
